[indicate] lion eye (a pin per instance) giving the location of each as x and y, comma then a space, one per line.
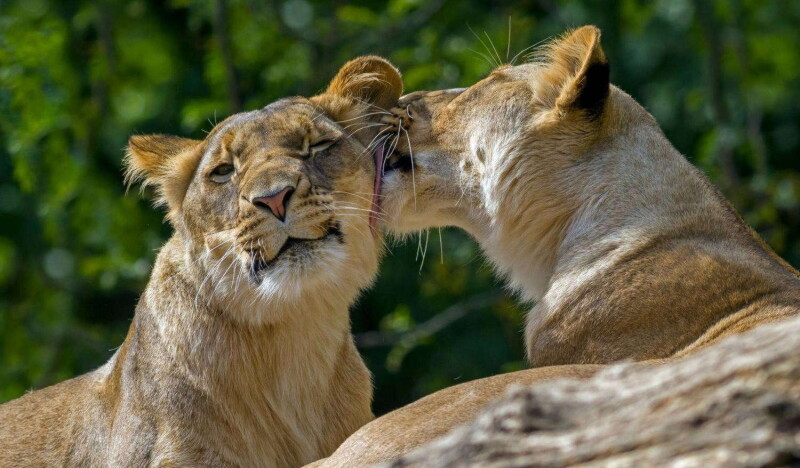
322, 145
222, 173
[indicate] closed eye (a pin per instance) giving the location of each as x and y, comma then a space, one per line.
322, 145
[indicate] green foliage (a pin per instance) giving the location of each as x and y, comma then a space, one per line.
77, 78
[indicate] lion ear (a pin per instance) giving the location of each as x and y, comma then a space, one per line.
577, 70
369, 79
166, 162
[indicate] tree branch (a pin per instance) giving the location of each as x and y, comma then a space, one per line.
435, 324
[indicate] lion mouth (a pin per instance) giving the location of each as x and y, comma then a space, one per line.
380, 158
293, 245
398, 161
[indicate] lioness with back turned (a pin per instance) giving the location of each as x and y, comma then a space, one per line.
579, 200
240, 353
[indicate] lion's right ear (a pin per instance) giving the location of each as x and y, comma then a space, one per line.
166, 162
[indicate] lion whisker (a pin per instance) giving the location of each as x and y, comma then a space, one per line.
508, 44
238, 273
369, 104
367, 233
370, 148
425, 250
340, 204
364, 128
419, 245
222, 277
355, 208
209, 274
441, 247
484, 56
413, 175
499, 59
491, 62
360, 197
219, 232
514, 59
369, 114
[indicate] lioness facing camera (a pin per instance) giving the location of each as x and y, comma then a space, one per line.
576, 196
240, 352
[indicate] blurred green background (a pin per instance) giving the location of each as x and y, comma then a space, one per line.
78, 77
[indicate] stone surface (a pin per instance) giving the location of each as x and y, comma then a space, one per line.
734, 404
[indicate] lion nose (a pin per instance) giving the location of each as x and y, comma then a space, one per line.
275, 202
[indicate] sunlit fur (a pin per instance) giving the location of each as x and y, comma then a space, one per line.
579, 200
238, 356
627, 249
270, 149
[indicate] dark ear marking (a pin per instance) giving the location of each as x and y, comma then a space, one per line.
166, 162
577, 68
594, 89
149, 157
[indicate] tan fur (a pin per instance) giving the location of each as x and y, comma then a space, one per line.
240, 354
579, 200
435, 415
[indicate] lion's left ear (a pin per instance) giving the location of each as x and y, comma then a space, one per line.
370, 80
166, 162
577, 70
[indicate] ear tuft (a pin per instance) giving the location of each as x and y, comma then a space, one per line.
160, 160
577, 68
148, 156
371, 79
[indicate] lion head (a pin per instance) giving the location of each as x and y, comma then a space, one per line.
452, 145
493, 158
276, 202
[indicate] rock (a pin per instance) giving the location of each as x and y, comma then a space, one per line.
735, 404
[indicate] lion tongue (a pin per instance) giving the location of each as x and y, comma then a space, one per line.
376, 191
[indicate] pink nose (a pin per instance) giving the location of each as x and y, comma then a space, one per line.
275, 202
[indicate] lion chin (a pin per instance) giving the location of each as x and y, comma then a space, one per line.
295, 253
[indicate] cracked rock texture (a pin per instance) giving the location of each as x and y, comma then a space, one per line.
735, 404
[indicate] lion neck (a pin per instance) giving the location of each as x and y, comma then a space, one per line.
275, 383
538, 200
198, 318
565, 231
